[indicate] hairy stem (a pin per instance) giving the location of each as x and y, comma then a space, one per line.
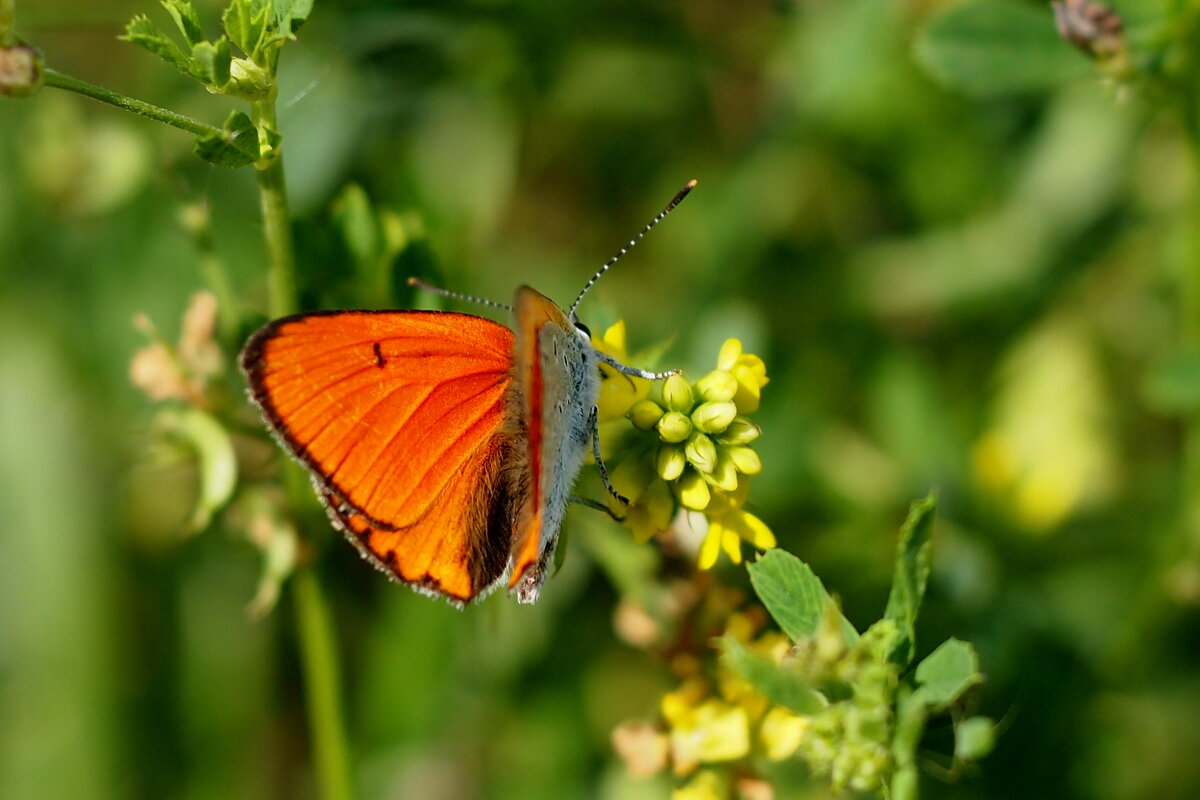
139, 107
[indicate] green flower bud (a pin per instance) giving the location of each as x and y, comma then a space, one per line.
745, 460
249, 81
21, 71
740, 431
717, 386
724, 475
670, 461
974, 738
677, 393
714, 417
701, 452
674, 427
645, 414
693, 491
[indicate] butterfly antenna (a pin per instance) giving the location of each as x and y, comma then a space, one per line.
420, 284
670, 206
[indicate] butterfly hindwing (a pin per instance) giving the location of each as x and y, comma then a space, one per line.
400, 416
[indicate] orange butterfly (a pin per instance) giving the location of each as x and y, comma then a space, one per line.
443, 445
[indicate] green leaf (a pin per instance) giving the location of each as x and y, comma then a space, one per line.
913, 557
142, 32
215, 58
792, 594
186, 19
245, 23
775, 683
236, 146
291, 14
946, 673
998, 46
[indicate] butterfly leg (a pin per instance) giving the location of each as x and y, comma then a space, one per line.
594, 424
637, 373
595, 505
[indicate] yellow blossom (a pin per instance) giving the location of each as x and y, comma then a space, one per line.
714, 731
748, 370
705, 785
618, 392
781, 732
729, 524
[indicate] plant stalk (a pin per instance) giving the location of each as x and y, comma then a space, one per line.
8, 15
322, 678
281, 265
139, 107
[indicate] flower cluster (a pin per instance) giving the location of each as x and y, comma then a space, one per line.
693, 449
714, 726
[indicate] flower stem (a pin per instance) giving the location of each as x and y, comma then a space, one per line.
322, 686
281, 276
140, 107
7, 17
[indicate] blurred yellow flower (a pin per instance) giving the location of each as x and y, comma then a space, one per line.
781, 732
618, 392
728, 524
712, 732
706, 784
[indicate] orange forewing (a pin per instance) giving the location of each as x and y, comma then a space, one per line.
400, 417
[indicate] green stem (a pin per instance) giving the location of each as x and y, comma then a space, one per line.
7, 20
281, 274
322, 687
140, 107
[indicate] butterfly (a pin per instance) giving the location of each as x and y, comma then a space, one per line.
444, 445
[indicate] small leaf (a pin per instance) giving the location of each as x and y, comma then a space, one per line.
775, 683
992, 47
236, 146
793, 595
186, 19
142, 32
291, 14
245, 23
913, 556
946, 673
215, 58
217, 463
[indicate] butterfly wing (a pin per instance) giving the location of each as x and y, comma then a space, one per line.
556, 370
400, 418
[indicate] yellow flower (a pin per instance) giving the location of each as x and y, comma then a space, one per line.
706, 784
714, 731
781, 732
749, 371
618, 392
729, 524
651, 505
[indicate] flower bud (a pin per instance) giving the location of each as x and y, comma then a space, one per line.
674, 427
693, 491
701, 452
714, 417
717, 386
745, 460
677, 393
740, 431
21, 71
670, 461
724, 475
249, 81
645, 414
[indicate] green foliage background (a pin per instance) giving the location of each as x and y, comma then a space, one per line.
976, 295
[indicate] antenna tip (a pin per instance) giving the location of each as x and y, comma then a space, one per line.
413, 281
690, 184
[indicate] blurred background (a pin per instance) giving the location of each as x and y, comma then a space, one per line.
977, 296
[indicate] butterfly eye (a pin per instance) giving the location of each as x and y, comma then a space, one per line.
583, 328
